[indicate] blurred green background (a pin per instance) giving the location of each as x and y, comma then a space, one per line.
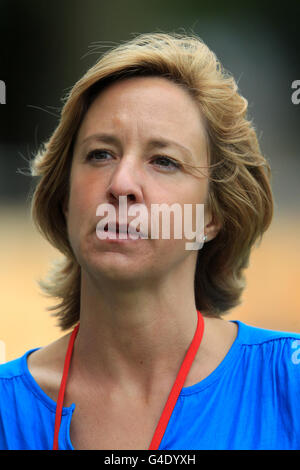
45, 47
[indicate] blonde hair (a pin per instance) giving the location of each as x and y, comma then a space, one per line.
240, 195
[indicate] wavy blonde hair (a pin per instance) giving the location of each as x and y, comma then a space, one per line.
239, 197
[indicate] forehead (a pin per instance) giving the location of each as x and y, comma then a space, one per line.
144, 106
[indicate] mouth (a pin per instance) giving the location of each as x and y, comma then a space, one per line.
123, 232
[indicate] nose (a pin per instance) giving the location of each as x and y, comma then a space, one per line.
126, 180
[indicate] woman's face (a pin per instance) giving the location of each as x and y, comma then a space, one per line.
136, 113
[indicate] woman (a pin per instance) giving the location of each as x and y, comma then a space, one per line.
149, 362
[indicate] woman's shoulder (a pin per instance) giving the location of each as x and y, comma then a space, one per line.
43, 365
46, 364
15, 367
251, 335
27, 397
273, 354
15, 388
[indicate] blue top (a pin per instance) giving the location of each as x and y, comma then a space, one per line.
250, 401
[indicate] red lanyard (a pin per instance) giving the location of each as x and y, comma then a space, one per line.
173, 396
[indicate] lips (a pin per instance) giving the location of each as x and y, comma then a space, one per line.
125, 228
122, 228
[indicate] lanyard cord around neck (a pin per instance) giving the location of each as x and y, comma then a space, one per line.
173, 396
61, 393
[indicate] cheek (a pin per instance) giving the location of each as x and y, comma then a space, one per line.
83, 196
198, 198
80, 212
193, 207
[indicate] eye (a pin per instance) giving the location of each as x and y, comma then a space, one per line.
97, 155
164, 162
167, 163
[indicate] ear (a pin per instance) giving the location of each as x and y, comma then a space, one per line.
212, 225
211, 230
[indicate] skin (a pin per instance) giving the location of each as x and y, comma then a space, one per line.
137, 313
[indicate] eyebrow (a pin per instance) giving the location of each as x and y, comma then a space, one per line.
153, 143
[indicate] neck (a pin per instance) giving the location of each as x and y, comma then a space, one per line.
131, 338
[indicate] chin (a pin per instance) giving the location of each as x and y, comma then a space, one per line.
113, 267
